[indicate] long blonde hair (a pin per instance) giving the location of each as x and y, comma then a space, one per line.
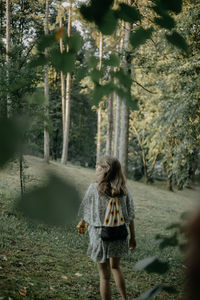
111, 180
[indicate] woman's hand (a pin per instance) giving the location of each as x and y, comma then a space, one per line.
132, 243
81, 227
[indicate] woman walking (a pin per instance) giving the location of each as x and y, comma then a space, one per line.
108, 209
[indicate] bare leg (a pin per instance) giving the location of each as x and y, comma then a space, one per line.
104, 272
118, 276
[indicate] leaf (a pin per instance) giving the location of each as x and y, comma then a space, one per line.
11, 132
100, 91
123, 78
46, 41
142, 264
171, 241
170, 289
150, 293
96, 10
60, 33
62, 61
165, 22
108, 23
128, 13
74, 42
96, 75
177, 40
157, 267
81, 73
140, 36
78, 274
113, 60
55, 203
39, 60
175, 6
92, 62
22, 292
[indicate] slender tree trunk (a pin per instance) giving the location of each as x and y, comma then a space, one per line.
99, 108
67, 101
62, 79
110, 126
117, 127
8, 105
118, 111
46, 92
124, 130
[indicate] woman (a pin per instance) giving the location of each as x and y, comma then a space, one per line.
108, 201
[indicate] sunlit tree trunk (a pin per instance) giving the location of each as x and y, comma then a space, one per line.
67, 101
117, 126
62, 79
8, 105
109, 126
99, 108
124, 130
46, 92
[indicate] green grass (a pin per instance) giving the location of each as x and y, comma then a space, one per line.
51, 263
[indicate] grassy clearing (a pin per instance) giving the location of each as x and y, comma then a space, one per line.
50, 263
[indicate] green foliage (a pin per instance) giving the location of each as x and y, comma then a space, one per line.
62, 61
150, 293
152, 265
140, 36
11, 139
56, 203
177, 40
108, 23
113, 60
96, 75
174, 6
165, 22
128, 13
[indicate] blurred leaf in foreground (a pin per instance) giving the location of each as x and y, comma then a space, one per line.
150, 293
152, 265
140, 36
55, 203
177, 40
11, 139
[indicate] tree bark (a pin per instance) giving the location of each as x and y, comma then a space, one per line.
117, 127
110, 126
99, 108
8, 104
62, 79
124, 130
64, 157
46, 92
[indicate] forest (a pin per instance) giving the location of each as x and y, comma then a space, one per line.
83, 79
121, 76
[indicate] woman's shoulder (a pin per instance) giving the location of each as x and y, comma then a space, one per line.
92, 187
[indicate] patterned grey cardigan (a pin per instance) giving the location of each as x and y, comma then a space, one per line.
93, 206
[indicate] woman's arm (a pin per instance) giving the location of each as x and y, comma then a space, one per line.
132, 241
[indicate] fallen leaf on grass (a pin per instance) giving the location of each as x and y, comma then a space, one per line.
64, 277
22, 292
78, 274
5, 258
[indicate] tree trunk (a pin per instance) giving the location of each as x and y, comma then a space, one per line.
46, 92
110, 126
62, 79
99, 108
124, 131
8, 105
117, 127
67, 101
